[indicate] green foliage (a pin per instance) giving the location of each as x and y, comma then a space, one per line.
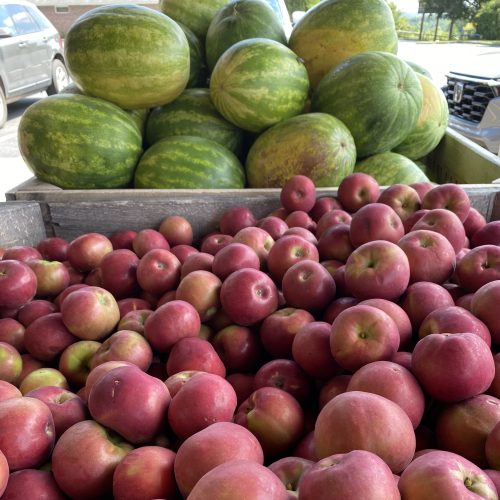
401, 21
488, 20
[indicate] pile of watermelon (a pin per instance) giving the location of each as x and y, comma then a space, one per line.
207, 94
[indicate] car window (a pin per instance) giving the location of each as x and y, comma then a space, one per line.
5, 20
23, 20
40, 18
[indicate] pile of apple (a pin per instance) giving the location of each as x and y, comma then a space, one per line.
339, 348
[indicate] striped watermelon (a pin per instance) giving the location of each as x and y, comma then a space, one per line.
431, 124
198, 71
128, 54
257, 83
195, 14
334, 30
193, 113
314, 144
239, 20
79, 142
377, 95
391, 168
187, 162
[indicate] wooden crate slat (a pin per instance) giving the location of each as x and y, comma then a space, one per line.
21, 224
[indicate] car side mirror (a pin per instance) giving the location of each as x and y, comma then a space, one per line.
6, 32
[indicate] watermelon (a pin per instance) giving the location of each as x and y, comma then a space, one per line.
377, 95
79, 142
187, 162
315, 144
391, 168
335, 30
193, 113
431, 124
128, 54
418, 69
239, 20
257, 83
198, 71
195, 14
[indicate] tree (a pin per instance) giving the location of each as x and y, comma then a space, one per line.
400, 21
488, 20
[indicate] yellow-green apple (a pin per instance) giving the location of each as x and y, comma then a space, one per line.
402, 198
195, 262
447, 476
130, 402
275, 417
299, 218
311, 350
8, 390
233, 257
134, 320
22, 253
53, 248
34, 309
474, 222
479, 266
308, 285
212, 243
484, 306
394, 382
194, 354
358, 420
422, 298
463, 427
124, 345
241, 479
86, 251
90, 313
273, 225
90, 474
177, 230
123, 239
28, 434
256, 238
298, 193
377, 269
449, 196
333, 387
11, 363
235, 218
279, 328
119, 272
67, 408
169, 323
322, 205
17, 284
362, 334
74, 362
330, 219
202, 400
489, 234
492, 447
146, 472
350, 476
248, 296
453, 319
47, 337
335, 243
52, 277
286, 251
216, 444
430, 254
452, 367
41, 377
356, 190
147, 239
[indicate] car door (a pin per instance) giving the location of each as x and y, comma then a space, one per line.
11, 65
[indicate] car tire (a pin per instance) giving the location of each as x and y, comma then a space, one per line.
60, 77
3, 108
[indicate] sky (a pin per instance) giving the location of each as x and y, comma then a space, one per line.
407, 5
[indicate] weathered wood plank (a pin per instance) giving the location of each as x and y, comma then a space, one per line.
21, 223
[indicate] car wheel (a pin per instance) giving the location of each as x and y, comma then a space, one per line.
3, 108
60, 77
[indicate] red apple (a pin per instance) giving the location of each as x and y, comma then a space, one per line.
337, 306
474, 221
134, 320
18, 284
235, 218
119, 272
356, 190
132, 304
492, 447
177, 230
335, 243
330, 219
33, 483
307, 234
12, 332
299, 218
449, 196
298, 193
233, 257
11, 363
212, 243
8, 390
123, 239
147, 239
34, 309
256, 238
290, 471
484, 306
322, 205
85, 252
53, 248
242, 384
333, 387
273, 225
183, 251
489, 234
403, 198
479, 266
158, 271
70, 289
97, 373
22, 253
196, 262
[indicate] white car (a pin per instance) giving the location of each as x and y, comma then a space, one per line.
473, 95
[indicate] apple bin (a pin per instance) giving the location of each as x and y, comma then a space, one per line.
199, 344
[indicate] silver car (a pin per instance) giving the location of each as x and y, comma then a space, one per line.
473, 95
31, 54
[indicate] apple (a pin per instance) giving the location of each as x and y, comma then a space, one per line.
22, 253
34, 309
492, 446
11, 363
298, 193
177, 380
70, 289
330, 219
134, 320
146, 472
147, 239
335, 243
308, 285
53, 248
158, 271
448, 196
290, 471
98, 372
494, 388
52, 277
322, 205
307, 234
130, 402
479, 266
90, 313
377, 269
489, 234
123, 239
233, 257
235, 218
474, 221
256, 238
402, 198
362, 334
169, 323
205, 398
196, 262
8, 390
183, 251
275, 417
119, 272
275, 226
29, 364
299, 218
453, 476
94, 277
356, 190
12, 332
430, 254
74, 362
413, 218
86, 251
32, 483
279, 328
18, 284
484, 306
218, 443
358, 420
333, 387
78, 476
212, 243
43, 377
452, 367
28, 434
337, 306
248, 296
177, 230
241, 479
494, 475
132, 304
350, 476
402, 358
